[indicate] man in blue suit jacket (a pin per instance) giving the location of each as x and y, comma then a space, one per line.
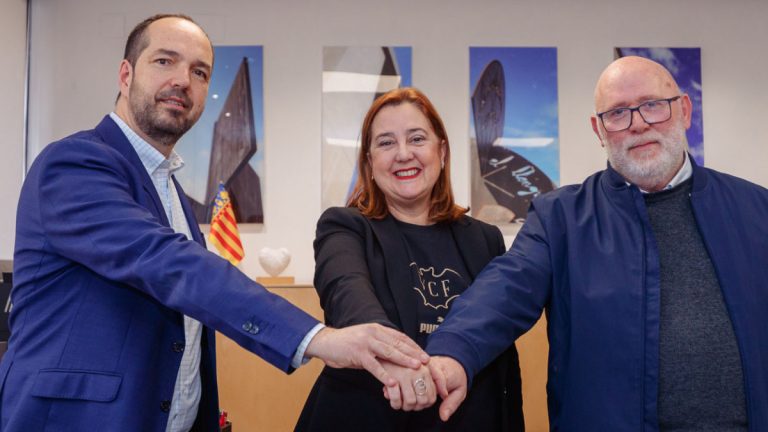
116, 297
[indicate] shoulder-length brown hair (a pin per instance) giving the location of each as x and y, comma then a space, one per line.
367, 196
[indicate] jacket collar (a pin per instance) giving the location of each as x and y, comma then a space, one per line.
472, 245
700, 176
613, 179
397, 265
111, 135
189, 214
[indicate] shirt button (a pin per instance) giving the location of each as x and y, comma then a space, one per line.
248, 326
178, 347
254, 330
165, 405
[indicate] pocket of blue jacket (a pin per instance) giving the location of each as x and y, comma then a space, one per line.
75, 384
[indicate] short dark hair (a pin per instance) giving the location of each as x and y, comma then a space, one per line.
138, 41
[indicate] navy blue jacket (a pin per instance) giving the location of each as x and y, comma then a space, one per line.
101, 283
587, 255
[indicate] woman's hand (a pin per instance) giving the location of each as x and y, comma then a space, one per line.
415, 389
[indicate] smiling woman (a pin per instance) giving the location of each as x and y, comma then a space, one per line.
406, 159
399, 255
408, 112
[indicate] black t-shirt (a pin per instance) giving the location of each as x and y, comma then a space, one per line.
438, 273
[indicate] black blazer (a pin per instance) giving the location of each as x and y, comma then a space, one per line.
359, 262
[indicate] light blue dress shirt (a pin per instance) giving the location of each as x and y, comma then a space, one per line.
188, 388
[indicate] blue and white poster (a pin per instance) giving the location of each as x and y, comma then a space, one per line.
227, 143
513, 130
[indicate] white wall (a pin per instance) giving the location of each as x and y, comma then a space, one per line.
13, 37
77, 45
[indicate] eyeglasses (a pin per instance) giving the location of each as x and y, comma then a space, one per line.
652, 111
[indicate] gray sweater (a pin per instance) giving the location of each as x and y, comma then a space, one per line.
701, 387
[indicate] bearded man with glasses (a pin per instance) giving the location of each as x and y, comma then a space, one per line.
652, 273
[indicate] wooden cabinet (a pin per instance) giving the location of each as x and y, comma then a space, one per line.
256, 395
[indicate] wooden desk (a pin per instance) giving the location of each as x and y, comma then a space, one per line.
258, 397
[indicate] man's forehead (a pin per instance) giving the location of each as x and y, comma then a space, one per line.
175, 34
632, 82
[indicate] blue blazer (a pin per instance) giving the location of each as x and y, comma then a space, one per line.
101, 283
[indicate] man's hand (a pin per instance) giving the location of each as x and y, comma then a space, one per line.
415, 391
451, 381
361, 347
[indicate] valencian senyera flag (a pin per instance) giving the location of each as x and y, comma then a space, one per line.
224, 234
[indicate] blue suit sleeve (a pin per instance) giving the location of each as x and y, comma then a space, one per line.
91, 214
504, 301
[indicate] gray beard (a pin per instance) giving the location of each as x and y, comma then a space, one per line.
650, 172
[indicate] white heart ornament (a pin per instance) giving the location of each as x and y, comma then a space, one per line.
274, 261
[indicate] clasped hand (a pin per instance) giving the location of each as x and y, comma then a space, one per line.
412, 380
414, 390
417, 389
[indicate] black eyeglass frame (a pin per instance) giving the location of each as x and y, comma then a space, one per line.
637, 108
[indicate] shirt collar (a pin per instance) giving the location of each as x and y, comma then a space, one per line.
683, 174
150, 157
